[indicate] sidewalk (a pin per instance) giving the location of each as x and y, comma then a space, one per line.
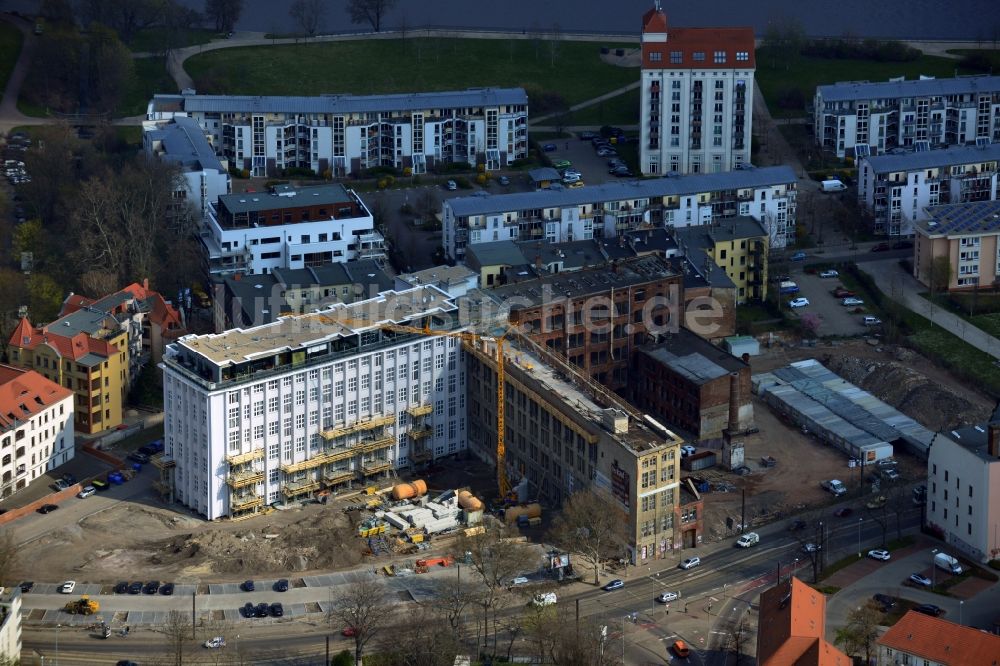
903, 288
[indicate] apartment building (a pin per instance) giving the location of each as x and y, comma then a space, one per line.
254, 300
791, 628
598, 317
897, 188
696, 108
768, 195
739, 246
968, 236
288, 227
346, 134
456, 281
36, 428
565, 433
10, 625
693, 385
182, 141
932, 641
963, 489
860, 118
327, 399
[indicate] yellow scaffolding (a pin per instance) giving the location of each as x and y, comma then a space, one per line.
373, 445
245, 478
375, 466
243, 458
161, 462
334, 476
296, 488
423, 432
245, 502
360, 426
421, 410
328, 456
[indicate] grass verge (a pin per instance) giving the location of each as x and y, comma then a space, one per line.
572, 69
902, 607
150, 77
11, 40
29, 109
620, 110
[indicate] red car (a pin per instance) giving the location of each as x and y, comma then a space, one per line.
348, 631
840, 292
881, 247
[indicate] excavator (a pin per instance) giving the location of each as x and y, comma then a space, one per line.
82, 606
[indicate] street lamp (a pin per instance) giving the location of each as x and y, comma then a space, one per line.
860, 520
960, 604
933, 569
58, 627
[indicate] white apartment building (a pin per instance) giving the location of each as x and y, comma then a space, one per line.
36, 427
609, 211
288, 227
696, 107
277, 412
858, 118
182, 141
346, 134
963, 489
10, 625
896, 188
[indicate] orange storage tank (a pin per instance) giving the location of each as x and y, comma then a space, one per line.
468, 501
533, 510
409, 490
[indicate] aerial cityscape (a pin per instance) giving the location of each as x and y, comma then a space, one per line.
448, 334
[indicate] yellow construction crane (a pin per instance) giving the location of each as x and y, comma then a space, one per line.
503, 484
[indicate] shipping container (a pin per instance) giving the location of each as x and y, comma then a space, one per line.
697, 461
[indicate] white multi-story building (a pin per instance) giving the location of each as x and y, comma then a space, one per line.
696, 109
10, 625
288, 227
36, 427
963, 489
896, 188
277, 412
182, 141
346, 134
611, 210
858, 118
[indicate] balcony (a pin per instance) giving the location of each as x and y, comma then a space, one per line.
162, 462
245, 502
325, 458
243, 479
334, 476
420, 456
417, 434
375, 467
360, 426
373, 445
419, 410
243, 458
296, 488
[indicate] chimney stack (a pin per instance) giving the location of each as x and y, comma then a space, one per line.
734, 403
993, 439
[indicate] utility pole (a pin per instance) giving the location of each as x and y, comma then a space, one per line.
578, 619
743, 515
193, 616
327, 662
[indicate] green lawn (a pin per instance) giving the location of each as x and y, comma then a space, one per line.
573, 69
990, 323
156, 40
621, 110
10, 47
991, 56
805, 73
150, 77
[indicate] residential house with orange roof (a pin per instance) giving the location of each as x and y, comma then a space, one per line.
36, 427
931, 641
696, 106
97, 348
792, 628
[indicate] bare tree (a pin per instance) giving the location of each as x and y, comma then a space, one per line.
592, 526
308, 15
176, 631
423, 640
861, 631
738, 638
224, 13
369, 11
364, 608
454, 597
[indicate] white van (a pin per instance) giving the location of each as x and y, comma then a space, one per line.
546, 599
947, 563
748, 539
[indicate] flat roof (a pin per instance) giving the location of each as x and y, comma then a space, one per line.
544, 173
286, 196
623, 190
301, 331
693, 357
341, 103
961, 219
929, 159
437, 274
846, 91
183, 142
496, 253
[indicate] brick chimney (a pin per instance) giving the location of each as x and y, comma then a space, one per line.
993, 439
734, 402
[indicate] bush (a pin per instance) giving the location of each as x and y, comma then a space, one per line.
344, 658
482, 179
407, 172
245, 173
463, 182
328, 174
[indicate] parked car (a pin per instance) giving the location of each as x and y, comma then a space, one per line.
879, 554
167, 589
67, 587
562, 164
885, 601
152, 587
27, 586
928, 609
875, 502
281, 585
247, 586
868, 320
799, 256
217, 642
811, 548
263, 609
277, 610
572, 173
829, 274
606, 152
881, 247
121, 587
850, 302
249, 610
623, 172
86, 492
588, 136
840, 292
60, 485
99, 485
138, 457
504, 180
451, 186
681, 649
577, 185
47, 508
843, 512
919, 580
616, 584
549, 147
667, 597
135, 588
690, 563
888, 474
518, 580
569, 180
798, 302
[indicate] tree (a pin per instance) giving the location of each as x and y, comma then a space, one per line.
111, 69
363, 607
57, 11
592, 526
783, 40
308, 15
423, 640
738, 637
225, 14
369, 11
939, 277
810, 323
176, 630
861, 631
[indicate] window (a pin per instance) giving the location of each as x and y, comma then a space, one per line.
719, 57
300, 398
258, 408
352, 384
655, 56
272, 404
339, 392
699, 56
258, 432
676, 57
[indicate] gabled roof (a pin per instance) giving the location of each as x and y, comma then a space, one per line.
931, 159
848, 91
24, 393
77, 346
942, 642
792, 628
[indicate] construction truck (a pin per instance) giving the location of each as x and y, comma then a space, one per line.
82, 606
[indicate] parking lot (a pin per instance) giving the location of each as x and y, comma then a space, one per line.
581, 153
835, 319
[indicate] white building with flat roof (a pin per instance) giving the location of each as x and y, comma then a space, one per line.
897, 188
328, 399
182, 141
346, 134
609, 211
10, 625
857, 118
